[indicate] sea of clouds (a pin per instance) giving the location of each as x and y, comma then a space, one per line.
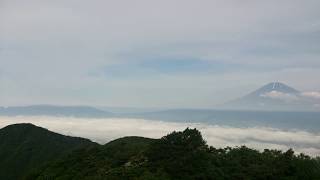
105, 130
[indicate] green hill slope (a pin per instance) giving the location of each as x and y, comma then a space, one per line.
179, 155
33, 153
25, 146
95, 162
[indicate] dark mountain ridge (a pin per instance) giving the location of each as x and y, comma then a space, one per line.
26, 146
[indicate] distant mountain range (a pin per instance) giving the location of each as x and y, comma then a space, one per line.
51, 110
275, 96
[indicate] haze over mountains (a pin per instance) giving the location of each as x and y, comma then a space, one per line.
51, 110
275, 105
274, 96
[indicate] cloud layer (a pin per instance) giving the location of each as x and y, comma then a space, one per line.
312, 94
280, 95
104, 130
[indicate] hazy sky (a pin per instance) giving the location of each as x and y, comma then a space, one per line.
148, 53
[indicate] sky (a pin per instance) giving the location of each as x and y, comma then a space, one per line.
147, 53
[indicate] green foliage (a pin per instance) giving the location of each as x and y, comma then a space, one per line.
179, 155
25, 146
112, 161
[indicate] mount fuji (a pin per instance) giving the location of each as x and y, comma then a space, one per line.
274, 96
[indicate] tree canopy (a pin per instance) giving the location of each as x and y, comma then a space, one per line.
179, 155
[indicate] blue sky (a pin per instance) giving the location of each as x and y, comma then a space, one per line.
169, 53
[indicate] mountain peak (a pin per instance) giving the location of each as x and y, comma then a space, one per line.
275, 86
272, 96
22, 127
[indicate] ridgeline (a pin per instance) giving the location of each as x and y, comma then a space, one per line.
33, 153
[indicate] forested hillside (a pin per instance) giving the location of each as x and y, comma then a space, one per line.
24, 147
179, 155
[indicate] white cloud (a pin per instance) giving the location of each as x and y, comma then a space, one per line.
280, 95
104, 130
312, 94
